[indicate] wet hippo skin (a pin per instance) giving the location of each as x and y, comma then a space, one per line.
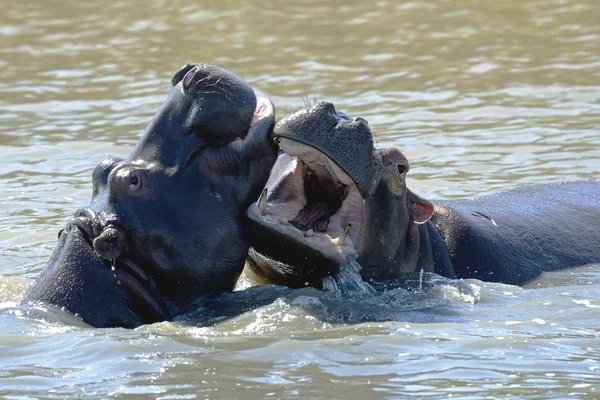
165, 226
333, 199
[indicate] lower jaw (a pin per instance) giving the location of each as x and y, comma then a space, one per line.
279, 257
279, 273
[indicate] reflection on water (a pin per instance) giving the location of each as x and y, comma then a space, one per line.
481, 96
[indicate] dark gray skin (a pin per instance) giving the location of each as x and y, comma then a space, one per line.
165, 226
510, 237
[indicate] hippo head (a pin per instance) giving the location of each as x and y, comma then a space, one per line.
165, 225
331, 199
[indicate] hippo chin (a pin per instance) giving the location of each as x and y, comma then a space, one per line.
165, 225
332, 199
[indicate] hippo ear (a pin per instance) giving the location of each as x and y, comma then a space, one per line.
178, 76
420, 210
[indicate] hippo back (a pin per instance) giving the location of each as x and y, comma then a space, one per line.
514, 236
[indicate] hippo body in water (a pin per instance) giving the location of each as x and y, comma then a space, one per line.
165, 225
333, 199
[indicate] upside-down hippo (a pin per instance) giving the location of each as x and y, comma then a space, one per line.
165, 225
332, 198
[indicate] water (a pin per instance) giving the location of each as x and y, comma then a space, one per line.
481, 96
348, 281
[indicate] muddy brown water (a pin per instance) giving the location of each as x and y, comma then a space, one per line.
481, 96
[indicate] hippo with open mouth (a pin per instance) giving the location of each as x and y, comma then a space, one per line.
332, 199
165, 226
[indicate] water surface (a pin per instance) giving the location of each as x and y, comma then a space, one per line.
481, 96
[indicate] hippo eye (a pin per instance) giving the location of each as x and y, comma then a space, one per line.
402, 168
129, 180
134, 182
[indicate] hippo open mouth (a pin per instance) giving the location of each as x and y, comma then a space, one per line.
308, 219
315, 202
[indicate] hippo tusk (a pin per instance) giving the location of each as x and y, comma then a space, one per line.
340, 240
262, 202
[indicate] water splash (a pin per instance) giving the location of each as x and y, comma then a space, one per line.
347, 280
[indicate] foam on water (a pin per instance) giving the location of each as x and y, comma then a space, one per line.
346, 299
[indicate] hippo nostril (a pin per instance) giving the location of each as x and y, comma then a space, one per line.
323, 107
343, 116
362, 121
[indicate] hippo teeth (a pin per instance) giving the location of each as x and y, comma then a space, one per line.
342, 238
311, 200
262, 202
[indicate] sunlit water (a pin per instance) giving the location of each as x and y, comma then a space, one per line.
481, 96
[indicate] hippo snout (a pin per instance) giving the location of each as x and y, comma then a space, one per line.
111, 243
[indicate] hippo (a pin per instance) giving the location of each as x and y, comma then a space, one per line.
333, 199
165, 226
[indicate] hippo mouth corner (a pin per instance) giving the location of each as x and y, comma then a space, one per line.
109, 247
310, 212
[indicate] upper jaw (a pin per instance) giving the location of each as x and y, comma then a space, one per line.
346, 141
